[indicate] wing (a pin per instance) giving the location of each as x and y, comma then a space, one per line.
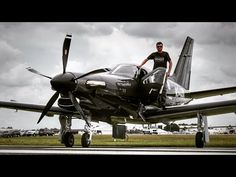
152, 115
190, 111
36, 108
208, 93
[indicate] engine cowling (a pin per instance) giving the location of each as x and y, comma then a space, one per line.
66, 103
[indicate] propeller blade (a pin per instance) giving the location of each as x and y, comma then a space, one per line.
49, 105
36, 72
65, 51
83, 75
93, 72
78, 108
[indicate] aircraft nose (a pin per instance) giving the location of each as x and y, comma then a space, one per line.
63, 82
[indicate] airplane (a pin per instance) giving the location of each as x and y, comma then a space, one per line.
125, 94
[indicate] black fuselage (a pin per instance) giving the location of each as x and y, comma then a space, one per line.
116, 92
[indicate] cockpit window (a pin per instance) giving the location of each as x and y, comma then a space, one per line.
125, 70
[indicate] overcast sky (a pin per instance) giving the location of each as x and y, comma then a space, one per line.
98, 45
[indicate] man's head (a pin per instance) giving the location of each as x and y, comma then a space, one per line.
159, 46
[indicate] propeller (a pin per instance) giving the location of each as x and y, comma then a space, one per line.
63, 83
65, 53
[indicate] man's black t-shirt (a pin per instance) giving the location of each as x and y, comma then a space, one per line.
160, 59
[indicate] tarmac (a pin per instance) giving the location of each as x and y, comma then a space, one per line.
24, 150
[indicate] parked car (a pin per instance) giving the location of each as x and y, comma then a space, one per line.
45, 132
31, 133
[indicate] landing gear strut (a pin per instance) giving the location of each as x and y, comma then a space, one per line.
66, 136
202, 136
87, 136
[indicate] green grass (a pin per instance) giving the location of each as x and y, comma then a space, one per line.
132, 141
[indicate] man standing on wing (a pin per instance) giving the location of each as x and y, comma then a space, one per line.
160, 59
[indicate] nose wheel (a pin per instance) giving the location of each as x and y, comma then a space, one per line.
85, 140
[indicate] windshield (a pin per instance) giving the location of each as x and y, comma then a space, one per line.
125, 70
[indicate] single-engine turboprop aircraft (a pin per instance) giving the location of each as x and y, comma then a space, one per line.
125, 94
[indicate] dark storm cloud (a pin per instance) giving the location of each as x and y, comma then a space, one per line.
81, 29
11, 67
65, 27
205, 33
41, 43
149, 30
214, 33
156, 31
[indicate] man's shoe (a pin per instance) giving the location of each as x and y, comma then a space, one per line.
162, 107
141, 108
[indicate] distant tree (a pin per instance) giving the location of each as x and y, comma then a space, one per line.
183, 124
171, 127
193, 124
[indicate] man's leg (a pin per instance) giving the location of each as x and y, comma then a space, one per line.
162, 97
141, 110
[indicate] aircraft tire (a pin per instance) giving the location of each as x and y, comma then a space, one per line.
68, 139
85, 142
199, 140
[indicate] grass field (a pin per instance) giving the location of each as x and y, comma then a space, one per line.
131, 141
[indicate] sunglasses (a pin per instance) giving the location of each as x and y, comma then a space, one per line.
159, 46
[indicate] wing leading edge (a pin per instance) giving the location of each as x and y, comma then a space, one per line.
35, 108
209, 93
190, 111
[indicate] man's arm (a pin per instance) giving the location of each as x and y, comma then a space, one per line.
169, 68
144, 61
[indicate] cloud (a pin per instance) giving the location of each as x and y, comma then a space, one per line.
8, 55
149, 30
206, 33
11, 66
84, 29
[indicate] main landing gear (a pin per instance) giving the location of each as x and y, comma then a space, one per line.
68, 139
66, 135
202, 136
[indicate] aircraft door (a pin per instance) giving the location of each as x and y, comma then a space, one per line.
151, 84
